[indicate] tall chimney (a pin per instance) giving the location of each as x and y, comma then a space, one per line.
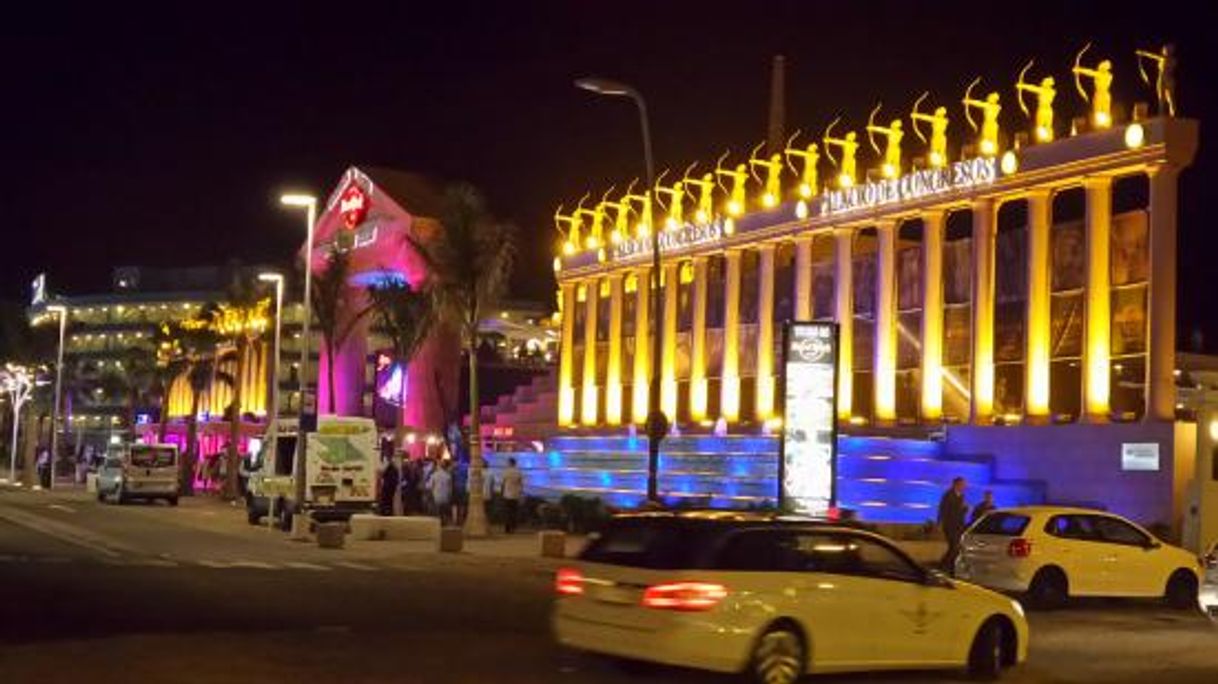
776, 130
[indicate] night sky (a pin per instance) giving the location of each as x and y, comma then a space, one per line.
163, 137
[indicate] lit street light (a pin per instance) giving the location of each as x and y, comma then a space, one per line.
309, 203
63, 324
657, 422
18, 382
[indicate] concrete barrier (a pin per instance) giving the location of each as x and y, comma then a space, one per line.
450, 540
552, 543
331, 535
367, 527
91, 483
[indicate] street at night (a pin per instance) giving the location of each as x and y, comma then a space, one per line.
149, 593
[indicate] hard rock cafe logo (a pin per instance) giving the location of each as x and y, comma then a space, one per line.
353, 206
811, 349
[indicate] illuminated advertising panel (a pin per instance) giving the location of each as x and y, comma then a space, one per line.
808, 459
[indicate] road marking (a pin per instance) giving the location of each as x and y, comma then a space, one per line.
155, 563
52, 560
301, 565
61, 507
257, 565
65, 532
356, 566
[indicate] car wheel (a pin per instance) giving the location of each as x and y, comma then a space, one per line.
1181, 592
985, 657
1049, 589
101, 495
173, 501
252, 517
778, 657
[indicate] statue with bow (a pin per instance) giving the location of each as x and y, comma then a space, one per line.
937, 153
705, 196
849, 146
569, 226
1165, 77
891, 168
772, 185
738, 177
1045, 92
675, 206
987, 141
810, 155
1101, 88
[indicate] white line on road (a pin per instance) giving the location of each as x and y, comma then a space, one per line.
61, 507
301, 565
356, 566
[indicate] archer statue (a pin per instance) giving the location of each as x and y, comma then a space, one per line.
735, 195
1045, 92
987, 141
937, 153
807, 176
1165, 78
849, 146
892, 133
1101, 88
772, 186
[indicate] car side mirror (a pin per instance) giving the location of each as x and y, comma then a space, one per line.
1151, 545
937, 578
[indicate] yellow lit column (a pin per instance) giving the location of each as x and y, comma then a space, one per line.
982, 405
765, 332
642, 346
566, 360
588, 401
803, 278
729, 402
697, 355
1036, 356
668, 371
932, 316
613, 364
1161, 300
843, 284
1097, 300
885, 362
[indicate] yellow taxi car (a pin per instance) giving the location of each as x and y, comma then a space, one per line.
775, 598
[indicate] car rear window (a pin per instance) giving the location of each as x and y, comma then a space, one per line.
655, 544
153, 458
1004, 524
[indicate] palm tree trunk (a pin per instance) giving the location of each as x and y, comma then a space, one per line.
163, 427
330, 374
234, 428
475, 517
192, 445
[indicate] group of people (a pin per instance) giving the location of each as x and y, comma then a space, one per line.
439, 487
954, 519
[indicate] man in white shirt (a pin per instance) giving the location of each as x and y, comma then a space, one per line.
513, 492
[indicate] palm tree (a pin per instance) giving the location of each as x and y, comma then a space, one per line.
469, 264
404, 315
198, 360
241, 320
330, 310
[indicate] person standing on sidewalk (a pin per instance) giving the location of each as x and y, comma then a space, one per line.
441, 486
953, 511
986, 505
513, 492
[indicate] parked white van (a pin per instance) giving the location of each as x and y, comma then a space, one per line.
139, 471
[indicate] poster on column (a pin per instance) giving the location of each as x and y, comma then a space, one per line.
808, 451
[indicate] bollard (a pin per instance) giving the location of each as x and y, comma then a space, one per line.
553, 543
331, 535
450, 540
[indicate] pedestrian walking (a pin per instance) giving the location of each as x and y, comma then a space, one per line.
953, 510
412, 498
986, 505
513, 492
440, 484
390, 479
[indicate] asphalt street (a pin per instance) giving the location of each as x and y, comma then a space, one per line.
148, 593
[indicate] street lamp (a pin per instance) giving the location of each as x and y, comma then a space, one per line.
62, 311
309, 204
272, 423
657, 422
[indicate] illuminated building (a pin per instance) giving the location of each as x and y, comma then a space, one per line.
1015, 303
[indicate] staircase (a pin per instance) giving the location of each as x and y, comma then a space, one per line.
530, 413
883, 479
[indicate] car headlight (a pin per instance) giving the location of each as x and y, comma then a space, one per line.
1017, 608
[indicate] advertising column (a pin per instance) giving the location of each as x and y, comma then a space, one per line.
807, 463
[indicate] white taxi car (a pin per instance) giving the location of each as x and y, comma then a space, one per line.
1051, 553
775, 598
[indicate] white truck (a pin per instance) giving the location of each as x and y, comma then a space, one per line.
341, 460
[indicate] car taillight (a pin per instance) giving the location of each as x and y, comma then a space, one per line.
1019, 548
569, 582
690, 596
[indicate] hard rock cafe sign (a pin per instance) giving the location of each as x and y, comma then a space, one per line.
353, 205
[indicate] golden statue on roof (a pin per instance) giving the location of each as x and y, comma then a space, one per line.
705, 196
735, 195
891, 168
1165, 77
987, 141
936, 156
675, 204
1045, 92
569, 227
849, 146
1101, 88
772, 186
810, 156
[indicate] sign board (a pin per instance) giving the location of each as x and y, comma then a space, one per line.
38, 290
341, 460
1143, 456
807, 465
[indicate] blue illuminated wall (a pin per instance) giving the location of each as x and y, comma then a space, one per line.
884, 480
